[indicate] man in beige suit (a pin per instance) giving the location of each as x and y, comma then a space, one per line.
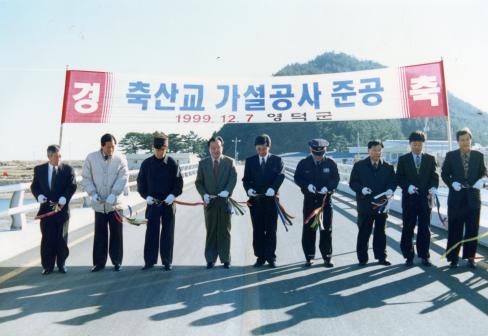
215, 182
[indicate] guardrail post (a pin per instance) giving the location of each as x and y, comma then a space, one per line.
18, 219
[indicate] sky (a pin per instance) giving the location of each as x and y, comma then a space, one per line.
39, 39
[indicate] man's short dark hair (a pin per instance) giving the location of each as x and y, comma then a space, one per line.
417, 136
462, 132
107, 138
215, 138
374, 143
52, 149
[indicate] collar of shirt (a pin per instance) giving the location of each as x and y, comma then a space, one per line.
50, 168
265, 158
163, 160
372, 162
214, 159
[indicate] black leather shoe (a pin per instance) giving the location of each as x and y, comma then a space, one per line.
117, 267
385, 262
363, 263
308, 263
210, 265
471, 263
167, 267
328, 263
272, 264
46, 271
259, 263
454, 264
426, 262
63, 269
227, 265
97, 268
409, 262
146, 267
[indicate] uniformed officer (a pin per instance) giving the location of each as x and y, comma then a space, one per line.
159, 182
417, 176
318, 177
263, 175
371, 177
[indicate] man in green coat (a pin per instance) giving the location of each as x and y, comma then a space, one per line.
215, 182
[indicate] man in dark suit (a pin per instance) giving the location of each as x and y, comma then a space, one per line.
370, 177
53, 185
263, 175
318, 177
159, 182
216, 176
462, 171
417, 176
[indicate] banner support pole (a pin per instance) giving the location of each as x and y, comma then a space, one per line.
448, 117
66, 83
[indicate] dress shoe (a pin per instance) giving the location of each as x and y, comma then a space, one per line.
117, 267
259, 262
46, 271
363, 263
308, 263
384, 262
63, 269
272, 264
328, 263
97, 268
454, 264
426, 262
167, 267
210, 265
409, 262
146, 267
471, 263
227, 265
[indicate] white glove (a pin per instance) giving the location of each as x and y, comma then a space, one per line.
412, 189
433, 191
170, 199
480, 184
110, 199
41, 199
149, 200
324, 190
251, 193
95, 198
389, 193
270, 192
366, 191
206, 198
312, 188
456, 186
223, 194
62, 200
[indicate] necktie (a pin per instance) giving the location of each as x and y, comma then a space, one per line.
375, 165
216, 168
417, 163
53, 178
465, 164
263, 163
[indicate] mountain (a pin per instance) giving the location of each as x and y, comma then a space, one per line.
291, 137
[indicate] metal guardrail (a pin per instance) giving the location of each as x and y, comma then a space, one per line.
18, 209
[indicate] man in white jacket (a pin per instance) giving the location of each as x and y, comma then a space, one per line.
105, 175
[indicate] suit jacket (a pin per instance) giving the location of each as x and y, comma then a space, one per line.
274, 174
453, 171
65, 186
426, 178
379, 180
206, 183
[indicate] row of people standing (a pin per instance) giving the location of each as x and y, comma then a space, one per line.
105, 175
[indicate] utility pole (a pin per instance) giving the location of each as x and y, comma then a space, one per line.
235, 141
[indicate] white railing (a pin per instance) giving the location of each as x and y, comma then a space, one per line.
18, 209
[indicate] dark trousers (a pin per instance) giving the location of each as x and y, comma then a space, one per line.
264, 223
411, 216
309, 235
54, 242
462, 219
160, 234
102, 243
218, 225
365, 223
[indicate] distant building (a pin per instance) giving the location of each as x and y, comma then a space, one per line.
134, 161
